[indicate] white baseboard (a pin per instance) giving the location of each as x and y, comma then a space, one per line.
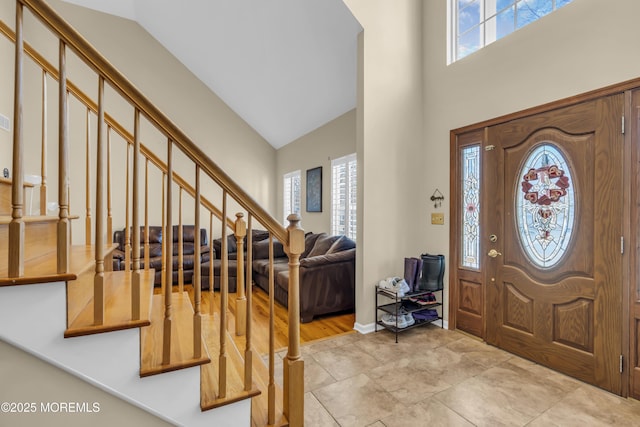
364, 329
371, 327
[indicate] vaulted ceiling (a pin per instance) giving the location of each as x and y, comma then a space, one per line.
285, 66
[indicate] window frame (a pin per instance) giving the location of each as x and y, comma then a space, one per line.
289, 206
350, 199
488, 16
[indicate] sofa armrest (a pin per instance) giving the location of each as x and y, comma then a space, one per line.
322, 260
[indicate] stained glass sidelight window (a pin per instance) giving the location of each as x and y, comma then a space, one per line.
545, 205
471, 205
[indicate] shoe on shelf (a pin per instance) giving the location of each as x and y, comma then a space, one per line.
399, 322
409, 320
395, 285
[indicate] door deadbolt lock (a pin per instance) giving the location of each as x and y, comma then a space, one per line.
493, 238
493, 253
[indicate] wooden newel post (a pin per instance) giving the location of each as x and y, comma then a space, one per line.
293, 406
240, 231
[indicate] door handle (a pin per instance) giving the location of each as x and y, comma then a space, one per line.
493, 253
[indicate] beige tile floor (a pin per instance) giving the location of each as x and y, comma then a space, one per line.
435, 377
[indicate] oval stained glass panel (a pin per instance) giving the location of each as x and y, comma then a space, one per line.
545, 205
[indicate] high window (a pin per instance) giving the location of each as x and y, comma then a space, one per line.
344, 196
477, 23
291, 194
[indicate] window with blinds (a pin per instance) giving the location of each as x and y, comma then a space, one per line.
291, 194
344, 185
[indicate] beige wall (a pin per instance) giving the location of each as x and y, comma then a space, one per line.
318, 148
25, 378
204, 117
390, 147
585, 45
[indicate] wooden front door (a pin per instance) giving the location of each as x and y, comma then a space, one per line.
634, 249
552, 190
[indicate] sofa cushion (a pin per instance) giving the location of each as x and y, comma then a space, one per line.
258, 235
309, 241
282, 280
261, 249
155, 249
341, 244
232, 244
232, 268
261, 266
322, 245
232, 247
155, 234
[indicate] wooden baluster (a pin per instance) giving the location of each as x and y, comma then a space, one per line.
64, 226
180, 244
109, 191
248, 351
272, 333
127, 207
135, 277
146, 214
212, 256
293, 406
163, 275
87, 228
98, 281
43, 161
224, 296
109, 262
16, 226
197, 286
240, 231
166, 343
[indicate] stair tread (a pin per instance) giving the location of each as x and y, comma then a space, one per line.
209, 374
117, 314
43, 267
151, 337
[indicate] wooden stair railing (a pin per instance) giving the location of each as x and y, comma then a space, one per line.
292, 237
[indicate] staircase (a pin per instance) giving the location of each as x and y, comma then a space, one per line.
157, 351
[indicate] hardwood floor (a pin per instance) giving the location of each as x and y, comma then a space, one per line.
320, 328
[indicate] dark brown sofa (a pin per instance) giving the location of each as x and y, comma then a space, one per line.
327, 274
232, 250
155, 251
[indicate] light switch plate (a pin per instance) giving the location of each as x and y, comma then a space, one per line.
437, 218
